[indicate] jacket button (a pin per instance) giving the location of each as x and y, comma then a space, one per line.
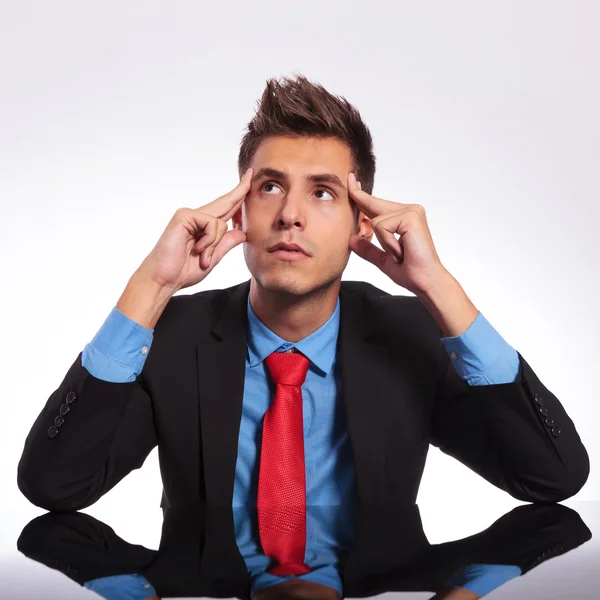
71, 397
58, 421
556, 431
52, 431
64, 409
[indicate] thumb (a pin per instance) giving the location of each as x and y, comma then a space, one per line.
230, 240
367, 250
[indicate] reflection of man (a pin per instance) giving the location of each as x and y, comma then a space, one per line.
296, 388
216, 553
127, 586
295, 589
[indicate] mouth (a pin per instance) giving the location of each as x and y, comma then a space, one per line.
292, 255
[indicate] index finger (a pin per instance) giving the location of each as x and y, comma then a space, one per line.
224, 207
369, 205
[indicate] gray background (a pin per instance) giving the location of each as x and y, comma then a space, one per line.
115, 114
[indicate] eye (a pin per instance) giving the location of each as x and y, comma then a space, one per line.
266, 184
317, 190
325, 190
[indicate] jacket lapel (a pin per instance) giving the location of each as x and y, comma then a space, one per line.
221, 360
365, 374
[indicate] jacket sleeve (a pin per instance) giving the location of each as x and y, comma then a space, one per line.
92, 431
516, 435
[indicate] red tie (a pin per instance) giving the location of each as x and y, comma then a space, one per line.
281, 501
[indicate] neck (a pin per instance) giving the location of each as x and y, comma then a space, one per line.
290, 316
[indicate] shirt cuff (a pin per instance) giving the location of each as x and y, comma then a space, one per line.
120, 347
481, 355
481, 579
131, 586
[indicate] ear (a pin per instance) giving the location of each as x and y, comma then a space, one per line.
237, 219
365, 227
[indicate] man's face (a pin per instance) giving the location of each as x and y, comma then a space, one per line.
316, 215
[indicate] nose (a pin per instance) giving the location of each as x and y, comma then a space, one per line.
291, 214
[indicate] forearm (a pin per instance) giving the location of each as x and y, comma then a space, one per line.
450, 306
144, 301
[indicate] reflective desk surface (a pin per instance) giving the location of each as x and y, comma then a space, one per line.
528, 551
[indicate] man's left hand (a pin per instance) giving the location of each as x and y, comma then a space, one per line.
410, 261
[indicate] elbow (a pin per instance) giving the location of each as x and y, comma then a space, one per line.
578, 477
36, 495
558, 481
47, 495
556, 490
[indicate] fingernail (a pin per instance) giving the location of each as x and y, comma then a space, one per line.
352, 178
358, 184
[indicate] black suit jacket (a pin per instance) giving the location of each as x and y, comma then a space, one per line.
400, 390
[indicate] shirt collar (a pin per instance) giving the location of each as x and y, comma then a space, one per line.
319, 347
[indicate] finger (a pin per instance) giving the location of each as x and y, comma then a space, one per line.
208, 237
205, 257
369, 205
227, 205
368, 251
385, 231
231, 239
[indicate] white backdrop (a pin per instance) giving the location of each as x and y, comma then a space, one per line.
114, 114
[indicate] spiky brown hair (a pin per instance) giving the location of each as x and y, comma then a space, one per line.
294, 106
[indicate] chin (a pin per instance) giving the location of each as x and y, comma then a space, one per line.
288, 283
285, 283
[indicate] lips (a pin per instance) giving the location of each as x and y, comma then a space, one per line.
289, 255
288, 248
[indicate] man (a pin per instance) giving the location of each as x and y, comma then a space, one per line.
296, 388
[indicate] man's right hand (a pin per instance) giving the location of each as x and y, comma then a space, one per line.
196, 240
193, 243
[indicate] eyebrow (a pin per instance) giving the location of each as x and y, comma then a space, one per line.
316, 177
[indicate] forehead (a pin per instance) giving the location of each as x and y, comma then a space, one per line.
309, 153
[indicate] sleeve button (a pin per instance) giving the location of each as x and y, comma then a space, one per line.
64, 409
71, 397
58, 421
453, 355
145, 350
52, 431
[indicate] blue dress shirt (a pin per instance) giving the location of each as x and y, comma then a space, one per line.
480, 355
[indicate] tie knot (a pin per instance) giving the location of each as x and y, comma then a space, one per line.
288, 368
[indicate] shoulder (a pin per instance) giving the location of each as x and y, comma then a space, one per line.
378, 299
391, 314
186, 312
